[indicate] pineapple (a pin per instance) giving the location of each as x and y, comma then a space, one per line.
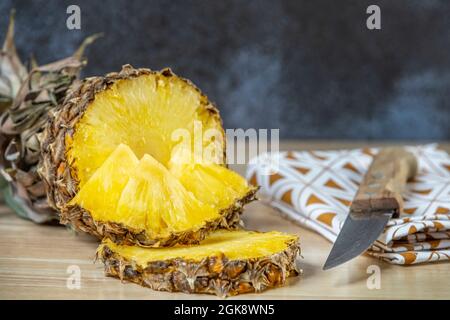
226, 263
112, 163
113, 156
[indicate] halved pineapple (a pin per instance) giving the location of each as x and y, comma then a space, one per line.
225, 263
150, 113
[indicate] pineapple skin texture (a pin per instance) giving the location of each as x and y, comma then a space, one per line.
62, 184
216, 274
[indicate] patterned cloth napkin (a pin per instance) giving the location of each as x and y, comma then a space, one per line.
315, 189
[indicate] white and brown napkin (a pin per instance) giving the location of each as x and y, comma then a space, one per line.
315, 189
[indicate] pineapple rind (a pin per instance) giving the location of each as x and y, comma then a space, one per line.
215, 274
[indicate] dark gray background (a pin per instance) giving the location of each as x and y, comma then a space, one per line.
310, 68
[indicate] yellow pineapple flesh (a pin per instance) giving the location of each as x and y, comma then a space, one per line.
225, 263
223, 186
238, 244
142, 113
153, 198
102, 192
143, 196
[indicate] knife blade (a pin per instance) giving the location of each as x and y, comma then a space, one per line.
378, 199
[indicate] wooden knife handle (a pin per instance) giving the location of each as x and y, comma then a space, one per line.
382, 186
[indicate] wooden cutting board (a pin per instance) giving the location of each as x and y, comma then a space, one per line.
34, 262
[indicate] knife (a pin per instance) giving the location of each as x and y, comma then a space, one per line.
377, 200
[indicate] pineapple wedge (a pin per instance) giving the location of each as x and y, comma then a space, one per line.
226, 263
224, 186
107, 184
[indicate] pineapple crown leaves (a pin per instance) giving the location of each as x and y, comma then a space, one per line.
42, 89
26, 97
12, 71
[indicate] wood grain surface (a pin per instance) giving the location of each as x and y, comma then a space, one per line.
34, 261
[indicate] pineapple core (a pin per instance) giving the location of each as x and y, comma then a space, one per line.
235, 245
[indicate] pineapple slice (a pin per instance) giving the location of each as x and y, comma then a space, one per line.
225, 263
